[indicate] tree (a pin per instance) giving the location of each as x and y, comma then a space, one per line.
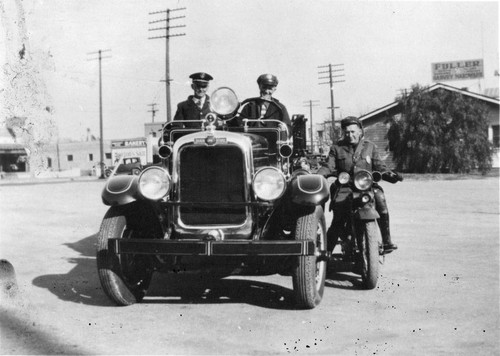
440, 131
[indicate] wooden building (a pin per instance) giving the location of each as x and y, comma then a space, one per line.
376, 127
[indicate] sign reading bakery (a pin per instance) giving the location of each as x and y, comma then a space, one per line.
457, 70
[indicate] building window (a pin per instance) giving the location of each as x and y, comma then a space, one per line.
91, 157
70, 158
154, 134
496, 136
108, 155
49, 162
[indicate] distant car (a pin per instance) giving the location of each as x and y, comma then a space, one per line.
129, 165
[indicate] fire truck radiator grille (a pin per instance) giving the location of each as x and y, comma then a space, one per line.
209, 177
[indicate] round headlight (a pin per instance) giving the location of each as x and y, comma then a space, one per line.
154, 183
344, 178
224, 101
363, 180
365, 198
269, 183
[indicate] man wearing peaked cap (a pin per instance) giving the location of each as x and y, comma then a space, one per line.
350, 120
200, 78
266, 106
197, 105
267, 79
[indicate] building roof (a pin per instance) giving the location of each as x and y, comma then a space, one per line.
393, 106
12, 148
492, 92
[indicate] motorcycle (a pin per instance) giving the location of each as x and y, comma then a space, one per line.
353, 200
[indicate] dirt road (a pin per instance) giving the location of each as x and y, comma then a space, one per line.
438, 294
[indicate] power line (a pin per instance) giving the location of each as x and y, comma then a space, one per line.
167, 46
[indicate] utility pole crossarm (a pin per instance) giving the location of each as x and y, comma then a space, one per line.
332, 76
165, 28
331, 65
178, 17
167, 10
99, 51
333, 82
180, 34
333, 71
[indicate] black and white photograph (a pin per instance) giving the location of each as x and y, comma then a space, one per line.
249, 177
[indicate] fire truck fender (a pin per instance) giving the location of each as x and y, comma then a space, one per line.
310, 189
120, 190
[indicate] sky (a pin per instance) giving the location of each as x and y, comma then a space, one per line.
383, 46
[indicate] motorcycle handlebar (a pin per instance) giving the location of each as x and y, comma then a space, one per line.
391, 177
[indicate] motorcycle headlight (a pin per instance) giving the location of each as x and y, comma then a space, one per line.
363, 180
224, 101
344, 178
154, 183
269, 183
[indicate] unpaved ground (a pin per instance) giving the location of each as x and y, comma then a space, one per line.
438, 294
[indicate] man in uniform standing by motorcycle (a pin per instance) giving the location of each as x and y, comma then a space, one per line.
350, 154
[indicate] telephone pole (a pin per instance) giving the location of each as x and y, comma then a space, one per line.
101, 135
311, 103
330, 82
153, 111
167, 47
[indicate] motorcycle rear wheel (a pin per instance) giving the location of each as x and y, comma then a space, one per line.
369, 253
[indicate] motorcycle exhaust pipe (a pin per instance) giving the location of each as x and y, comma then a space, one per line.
377, 176
164, 151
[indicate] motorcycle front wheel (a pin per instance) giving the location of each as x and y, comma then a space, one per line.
369, 253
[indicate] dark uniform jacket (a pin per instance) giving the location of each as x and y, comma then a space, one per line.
252, 110
343, 158
188, 110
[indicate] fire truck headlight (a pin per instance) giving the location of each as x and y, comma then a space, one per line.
269, 183
154, 183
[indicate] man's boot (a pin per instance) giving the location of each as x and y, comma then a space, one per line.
385, 231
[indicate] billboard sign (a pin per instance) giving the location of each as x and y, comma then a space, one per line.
457, 70
135, 147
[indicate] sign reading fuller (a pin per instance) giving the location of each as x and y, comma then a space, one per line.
457, 70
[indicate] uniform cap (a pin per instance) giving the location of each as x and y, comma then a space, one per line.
201, 78
350, 120
267, 79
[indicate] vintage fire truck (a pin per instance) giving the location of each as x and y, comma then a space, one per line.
225, 199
